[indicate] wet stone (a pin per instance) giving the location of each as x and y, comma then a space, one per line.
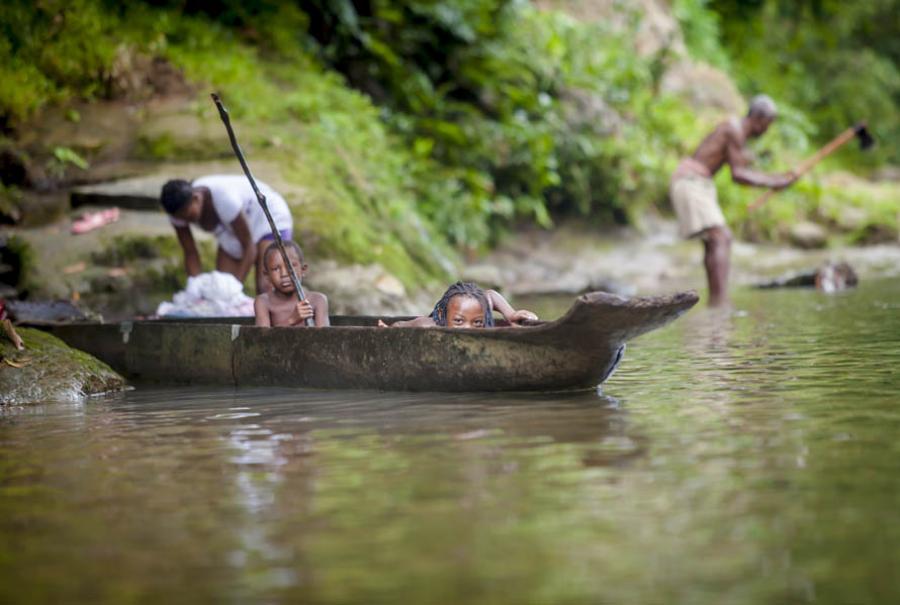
49, 370
806, 234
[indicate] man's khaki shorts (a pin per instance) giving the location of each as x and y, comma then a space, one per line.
696, 205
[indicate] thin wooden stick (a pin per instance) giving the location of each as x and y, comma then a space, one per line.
298, 288
807, 164
12, 335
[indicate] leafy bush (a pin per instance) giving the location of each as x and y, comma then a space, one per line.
505, 98
50, 51
837, 61
468, 115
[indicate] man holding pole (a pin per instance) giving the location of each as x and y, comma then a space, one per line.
693, 192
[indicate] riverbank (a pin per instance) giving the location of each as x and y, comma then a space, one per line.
574, 258
127, 268
395, 178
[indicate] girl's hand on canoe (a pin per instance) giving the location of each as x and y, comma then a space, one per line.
302, 311
381, 324
522, 315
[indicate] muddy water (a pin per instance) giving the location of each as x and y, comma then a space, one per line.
751, 456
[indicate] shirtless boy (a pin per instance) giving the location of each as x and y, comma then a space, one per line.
226, 206
280, 306
693, 192
465, 305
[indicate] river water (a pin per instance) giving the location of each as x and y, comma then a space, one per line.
749, 456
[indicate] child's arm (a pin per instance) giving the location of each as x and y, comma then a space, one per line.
511, 315
261, 309
320, 306
303, 310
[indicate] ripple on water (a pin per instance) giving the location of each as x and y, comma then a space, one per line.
737, 457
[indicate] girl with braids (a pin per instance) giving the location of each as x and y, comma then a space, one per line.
465, 305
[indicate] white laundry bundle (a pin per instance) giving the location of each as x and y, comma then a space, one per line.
213, 294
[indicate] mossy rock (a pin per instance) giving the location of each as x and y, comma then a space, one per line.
51, 371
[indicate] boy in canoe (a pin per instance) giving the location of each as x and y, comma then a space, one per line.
226, 206
280, 306
465, 305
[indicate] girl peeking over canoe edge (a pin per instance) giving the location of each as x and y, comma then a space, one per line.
280, 307
465, 305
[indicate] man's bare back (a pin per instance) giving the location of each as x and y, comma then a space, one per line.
727, 145
713, 151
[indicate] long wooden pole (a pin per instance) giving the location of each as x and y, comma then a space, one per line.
261, 198
807, 164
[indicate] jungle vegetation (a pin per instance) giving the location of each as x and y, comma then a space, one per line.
454, 121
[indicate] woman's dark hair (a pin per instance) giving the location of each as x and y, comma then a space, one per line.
175, 194
439, 314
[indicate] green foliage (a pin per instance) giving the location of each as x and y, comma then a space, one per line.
838, 61
528, 113
52, 50
10, 203
64, 155
359, 189
468, 115
124, 249
19, 249
62, 158
359, 186
702, 31
854, 210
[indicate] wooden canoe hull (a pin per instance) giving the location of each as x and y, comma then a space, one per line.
579, 350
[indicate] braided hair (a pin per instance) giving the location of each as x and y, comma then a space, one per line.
439, 314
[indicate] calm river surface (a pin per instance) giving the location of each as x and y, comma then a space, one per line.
743, 457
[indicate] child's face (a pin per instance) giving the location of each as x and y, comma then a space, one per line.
278, 272
464, 312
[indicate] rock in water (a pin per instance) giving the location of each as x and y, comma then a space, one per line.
830, 277
49, 370
806, 234
44, 312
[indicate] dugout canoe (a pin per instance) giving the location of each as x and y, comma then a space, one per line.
579, 350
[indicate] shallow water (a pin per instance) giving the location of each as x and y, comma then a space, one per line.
741, 457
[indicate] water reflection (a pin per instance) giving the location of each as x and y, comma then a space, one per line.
742, 457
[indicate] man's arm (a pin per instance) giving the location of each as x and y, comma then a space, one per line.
741, 172
189, 247
242, 232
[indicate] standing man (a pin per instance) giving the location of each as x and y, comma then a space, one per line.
693, 192
226, 206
